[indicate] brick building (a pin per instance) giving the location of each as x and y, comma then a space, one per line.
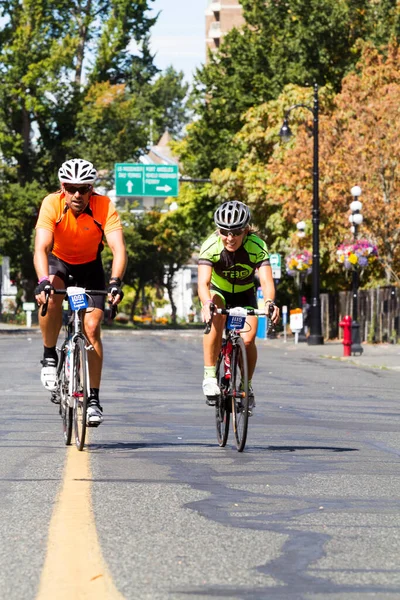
221, 16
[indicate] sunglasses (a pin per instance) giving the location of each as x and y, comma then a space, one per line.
81, 189
233, 232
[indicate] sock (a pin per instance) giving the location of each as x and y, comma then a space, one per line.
241, 383
94, 393
50, 353
209, 372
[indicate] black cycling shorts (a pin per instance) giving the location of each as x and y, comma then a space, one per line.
246, 299
88, 275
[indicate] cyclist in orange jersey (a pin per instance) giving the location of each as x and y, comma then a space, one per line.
69, 239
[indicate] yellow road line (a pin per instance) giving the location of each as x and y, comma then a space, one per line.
74, 567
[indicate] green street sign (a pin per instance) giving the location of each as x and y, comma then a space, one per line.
136, 179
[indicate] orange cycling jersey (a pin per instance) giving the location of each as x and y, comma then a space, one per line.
77, 240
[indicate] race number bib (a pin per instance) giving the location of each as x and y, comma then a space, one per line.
77, 298
237, 318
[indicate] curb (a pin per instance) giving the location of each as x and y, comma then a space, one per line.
14, 331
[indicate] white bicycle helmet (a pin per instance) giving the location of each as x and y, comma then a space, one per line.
232, 215
77, 170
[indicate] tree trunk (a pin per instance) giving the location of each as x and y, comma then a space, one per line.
80, 52
170, 290
136, 299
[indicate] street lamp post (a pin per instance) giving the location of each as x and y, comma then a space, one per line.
356, 219
301, 226
315, 338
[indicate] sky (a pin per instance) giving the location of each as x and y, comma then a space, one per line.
178, 37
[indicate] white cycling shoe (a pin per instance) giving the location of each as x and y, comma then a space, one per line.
94, 415
210, 386
211, 390
48, 374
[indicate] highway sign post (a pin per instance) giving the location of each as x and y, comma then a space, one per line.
276, 264
28, 307
136, 179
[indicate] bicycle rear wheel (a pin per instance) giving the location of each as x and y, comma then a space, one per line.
240, 393
66, 410
222, 409
80, 387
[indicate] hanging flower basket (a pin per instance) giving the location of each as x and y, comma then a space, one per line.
299, 263
359, 254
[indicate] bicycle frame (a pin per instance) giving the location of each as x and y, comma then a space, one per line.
73, 332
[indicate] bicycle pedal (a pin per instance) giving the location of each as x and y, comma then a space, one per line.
55, 399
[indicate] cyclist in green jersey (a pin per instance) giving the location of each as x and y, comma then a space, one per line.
226, 277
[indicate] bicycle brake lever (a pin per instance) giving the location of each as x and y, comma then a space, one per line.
113, 311
207, 328
45, 306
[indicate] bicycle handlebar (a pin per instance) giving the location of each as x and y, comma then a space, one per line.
64, 293
227, 311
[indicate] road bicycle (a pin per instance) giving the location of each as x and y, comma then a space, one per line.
232, 375
73, 383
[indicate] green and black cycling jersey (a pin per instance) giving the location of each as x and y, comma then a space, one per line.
233, 272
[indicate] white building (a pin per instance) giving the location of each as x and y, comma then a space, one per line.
8, 291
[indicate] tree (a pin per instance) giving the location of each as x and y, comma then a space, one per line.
175, 244
294, 42
358, 146
71, 85
18, 214
144, 264
44, 46
166, 103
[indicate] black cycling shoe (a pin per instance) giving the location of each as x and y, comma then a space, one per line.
55, 397
252, 402
211, 400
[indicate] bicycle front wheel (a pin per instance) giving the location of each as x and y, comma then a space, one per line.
66, 410
240, 393
222, 409
80, 387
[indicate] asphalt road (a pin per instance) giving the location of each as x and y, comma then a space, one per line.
310, 510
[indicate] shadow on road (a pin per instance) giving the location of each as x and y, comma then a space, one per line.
296, 448
124, 446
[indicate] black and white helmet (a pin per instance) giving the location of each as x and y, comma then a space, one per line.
77, 170
232, 215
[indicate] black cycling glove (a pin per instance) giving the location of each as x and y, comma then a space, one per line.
114, 288
44, 286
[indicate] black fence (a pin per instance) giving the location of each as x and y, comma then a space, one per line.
378, 314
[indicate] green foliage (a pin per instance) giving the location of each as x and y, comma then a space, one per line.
109, 127
19, 207
165, 103
73, 86
52, 107
297, 42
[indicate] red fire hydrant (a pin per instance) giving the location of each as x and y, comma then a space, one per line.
346, 324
